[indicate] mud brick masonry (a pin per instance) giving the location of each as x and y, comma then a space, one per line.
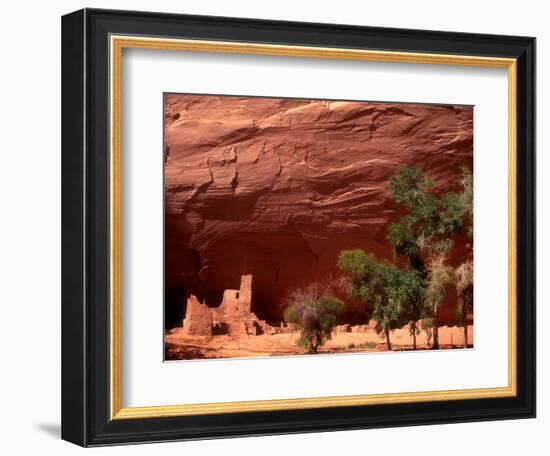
233, 317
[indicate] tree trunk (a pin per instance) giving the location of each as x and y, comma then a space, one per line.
314, 344
462, 308
435, 345
387, 333
465, 324
414, 337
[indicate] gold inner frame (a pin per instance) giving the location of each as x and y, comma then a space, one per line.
117, 44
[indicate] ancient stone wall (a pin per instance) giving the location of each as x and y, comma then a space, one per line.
198, 318
230, 303
233, 317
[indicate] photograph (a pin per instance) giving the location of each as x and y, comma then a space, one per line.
316, 226
279, 223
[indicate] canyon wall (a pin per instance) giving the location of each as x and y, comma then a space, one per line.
278, 187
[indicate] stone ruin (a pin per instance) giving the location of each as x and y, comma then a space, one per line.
232, 317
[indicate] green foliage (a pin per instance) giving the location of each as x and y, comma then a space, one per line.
315, 311
450, 215
406, 289
366, 274
424, 236
409, 187
403, 298
394, 295
431, 221
403, 237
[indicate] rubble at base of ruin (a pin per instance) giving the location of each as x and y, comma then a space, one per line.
233, 317
347, 328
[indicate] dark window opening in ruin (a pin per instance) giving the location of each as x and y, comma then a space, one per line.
237, 295
259, 329
219, 328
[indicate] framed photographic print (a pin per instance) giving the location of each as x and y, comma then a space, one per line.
279, 227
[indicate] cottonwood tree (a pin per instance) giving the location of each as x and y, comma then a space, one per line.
426, 325
424, 234
393, 296
464, 282
314, 310
405, 292
438, 278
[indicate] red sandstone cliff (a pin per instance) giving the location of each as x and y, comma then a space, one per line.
278, 187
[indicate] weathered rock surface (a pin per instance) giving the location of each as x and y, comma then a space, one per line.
278, 187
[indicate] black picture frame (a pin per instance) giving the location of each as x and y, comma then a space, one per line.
86, 417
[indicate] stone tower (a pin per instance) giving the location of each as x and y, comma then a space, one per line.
245, 293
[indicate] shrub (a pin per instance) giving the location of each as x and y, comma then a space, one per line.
314, 310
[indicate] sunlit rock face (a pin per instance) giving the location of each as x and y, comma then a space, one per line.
278, 187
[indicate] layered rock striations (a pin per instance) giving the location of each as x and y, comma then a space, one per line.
280, 186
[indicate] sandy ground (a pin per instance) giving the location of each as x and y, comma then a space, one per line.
179, 346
